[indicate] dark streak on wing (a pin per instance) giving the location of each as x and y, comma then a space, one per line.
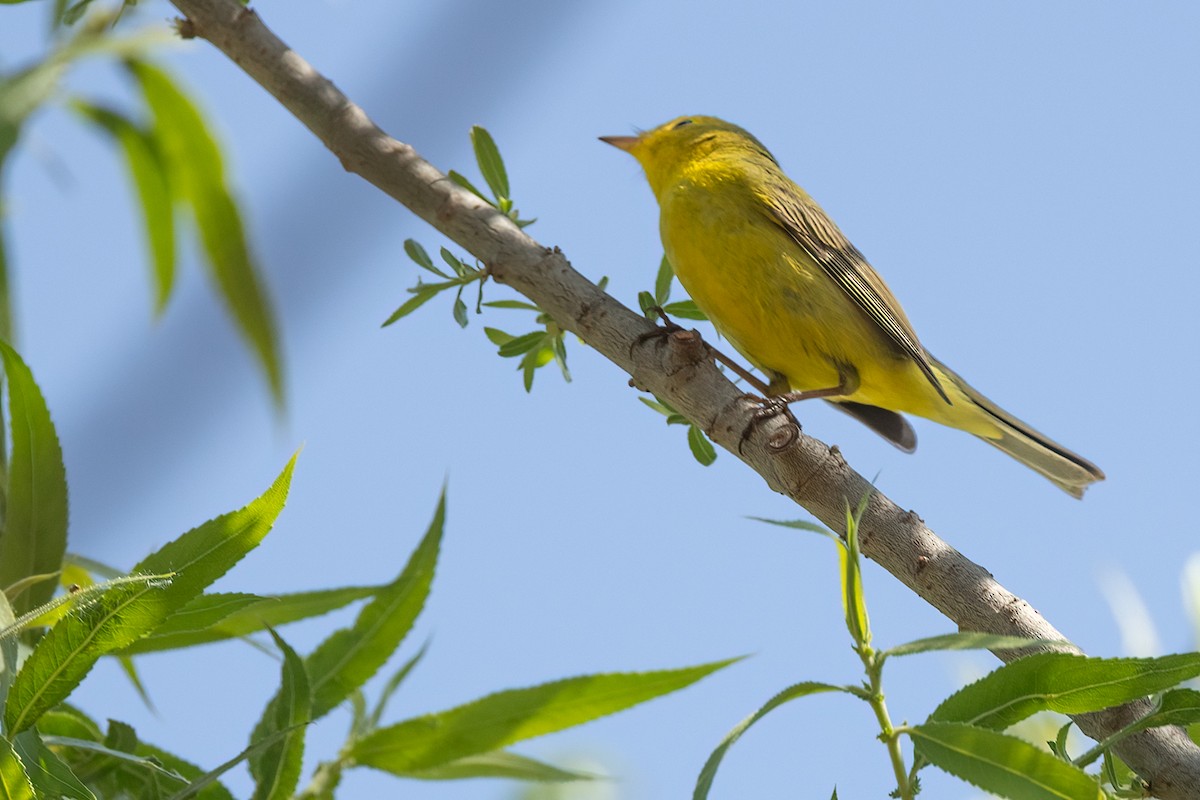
810, 228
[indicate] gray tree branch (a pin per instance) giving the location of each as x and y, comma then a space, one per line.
678, 370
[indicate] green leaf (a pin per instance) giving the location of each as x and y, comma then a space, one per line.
560, 356
418, 254
48, 773
193, 158
452, 261
35, 523
647, 304
497, 336
14, 783
500, 719
277, 768
513, 304
350, 656
967, 640
460, 312
1001, 764
423, 295
499, 764
853, 601
121, 616
662, 282
1062, 682
68, 721
491, 166
149, 176
217, 617
141, 763
8, 647
1176, 707
462, 181
702, 448
684, 309
391, 686
522, 344
203, 785
801, 525
212, 790
704, 782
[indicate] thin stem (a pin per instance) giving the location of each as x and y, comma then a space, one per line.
887, 733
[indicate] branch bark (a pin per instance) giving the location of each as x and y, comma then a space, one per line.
811, 473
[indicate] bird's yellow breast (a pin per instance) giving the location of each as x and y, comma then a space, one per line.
776, 305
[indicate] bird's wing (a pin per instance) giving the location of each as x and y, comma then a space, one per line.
809, 226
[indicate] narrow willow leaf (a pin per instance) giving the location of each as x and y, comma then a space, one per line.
1175, 707
513, 304
646, 304
423, 296
1001, 764
197, 558
501, 719
68, 721
967, 640
372, 721
497, 336
130, 670
853, 601
522, 344
702, 448
1062, 682
218, 617
500, 764
684, 309
277, 768
491, 166
149, 176
704, 782
417, 253
462, 181
49, 774
8, 647
662, 282
201, 786
460, 312
560, 356
35, 522
14, 783
193, 159
802, 525
212, 789
129, 759
350, 656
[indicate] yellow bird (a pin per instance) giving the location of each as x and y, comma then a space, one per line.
790, 292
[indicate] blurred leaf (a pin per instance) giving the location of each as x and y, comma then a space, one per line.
704, 782
967, 640
499, 764
701, 447
1001, 764
8, 647
452, 261
853, 601
1062, 682
662, 282
1175, 707
130, 670
14, 783
801, 525
197, 558
35, 522
211, 790
49, 774
646, 304
560, 356
460, 312
658, 406
491, 166
277, 768
67, 721
149, 176
193, 158
217, 617
500, 719
350, 656
684, 309
417, 253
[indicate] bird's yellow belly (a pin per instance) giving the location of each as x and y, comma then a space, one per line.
786, 316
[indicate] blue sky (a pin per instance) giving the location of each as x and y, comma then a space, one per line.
1023, 176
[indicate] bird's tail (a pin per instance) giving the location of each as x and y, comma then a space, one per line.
1070, 472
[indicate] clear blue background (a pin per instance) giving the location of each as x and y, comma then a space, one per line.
1023, 175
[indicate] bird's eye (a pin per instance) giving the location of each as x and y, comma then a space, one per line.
680, 124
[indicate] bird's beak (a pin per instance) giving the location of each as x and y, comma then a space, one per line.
625, 143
